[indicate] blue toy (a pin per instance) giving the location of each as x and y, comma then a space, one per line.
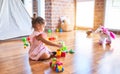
60, 30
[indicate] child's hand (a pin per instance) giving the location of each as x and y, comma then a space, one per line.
60, 46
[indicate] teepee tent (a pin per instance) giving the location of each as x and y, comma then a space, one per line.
14, 19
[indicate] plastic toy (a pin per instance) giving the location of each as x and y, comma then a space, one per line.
63, 54
49, 31
106, 36
89, 32
64, 47
56, 65
58, 53
25, 41
28, 38
60, 30
57, 30
51, 38
59, 67
71, 51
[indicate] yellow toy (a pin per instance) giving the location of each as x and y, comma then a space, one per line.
58, 53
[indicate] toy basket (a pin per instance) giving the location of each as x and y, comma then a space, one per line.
65, 24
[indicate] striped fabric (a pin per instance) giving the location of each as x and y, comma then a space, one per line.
37, 48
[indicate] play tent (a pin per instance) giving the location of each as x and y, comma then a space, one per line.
14, 19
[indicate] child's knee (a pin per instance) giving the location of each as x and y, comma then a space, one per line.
45, 56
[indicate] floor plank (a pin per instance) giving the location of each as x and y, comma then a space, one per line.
89, 56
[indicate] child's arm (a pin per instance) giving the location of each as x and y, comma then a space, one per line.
41, 37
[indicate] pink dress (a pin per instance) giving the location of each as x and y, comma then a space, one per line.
37, 48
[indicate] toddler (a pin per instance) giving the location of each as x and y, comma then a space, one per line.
38, 49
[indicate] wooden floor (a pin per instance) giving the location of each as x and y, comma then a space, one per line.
89, 57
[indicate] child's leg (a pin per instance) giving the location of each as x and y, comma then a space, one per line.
52, 53
45, 56
41, 55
